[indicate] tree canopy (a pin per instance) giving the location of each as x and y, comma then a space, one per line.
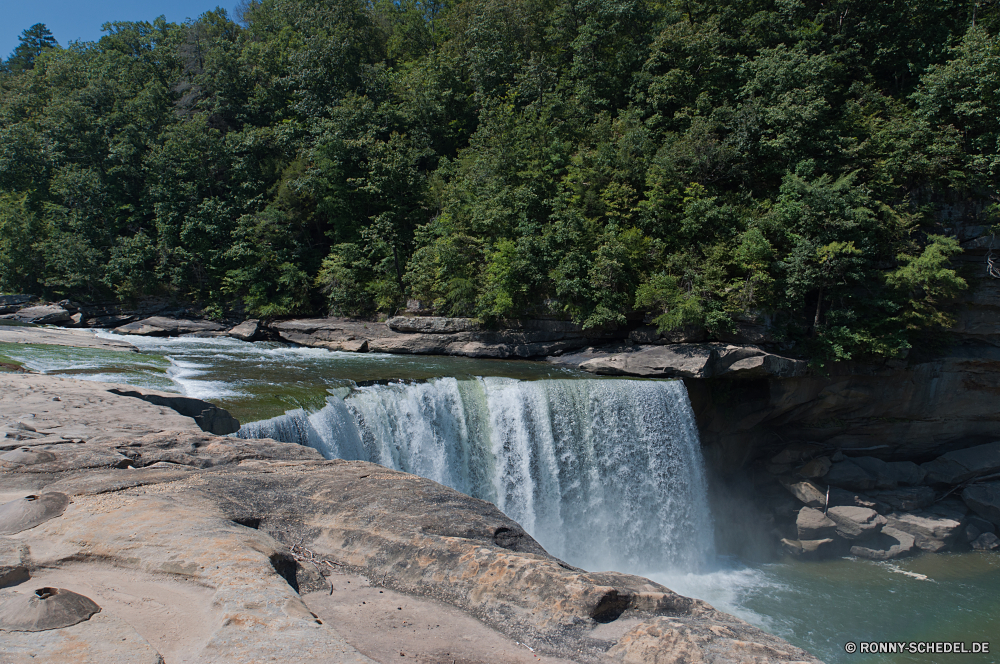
697, 164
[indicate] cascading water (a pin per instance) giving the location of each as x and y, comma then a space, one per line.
606, 474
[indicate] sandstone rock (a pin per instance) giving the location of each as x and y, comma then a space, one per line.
848, 475
248, 330
46, 314
100, 640
986, 542
161, 326
855, 523
984, 500
906, 472
30, 511
676, 361
45, 609
13, 562
811, 549
109, 321
844, 498
888, 544
934, 529
812, 524
807, 492
677, 641
72, 338
208, 416
432, 324
905, 499
816, 468
961, 465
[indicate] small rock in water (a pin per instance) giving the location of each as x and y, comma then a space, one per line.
986, 542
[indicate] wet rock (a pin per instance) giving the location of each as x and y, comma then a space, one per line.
45, 609
47, 314
248, 330
961, 465
209, 417
905, 499
934, 529
888, 544
30, 511
812, 524
816, 468
811, 549
433, 324
161, 326
986, 542
906, 472
984, 500
809, 493
855, 523
849, 475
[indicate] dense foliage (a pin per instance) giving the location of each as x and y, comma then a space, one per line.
787, 161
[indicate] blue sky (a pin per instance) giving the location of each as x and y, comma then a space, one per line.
81, 20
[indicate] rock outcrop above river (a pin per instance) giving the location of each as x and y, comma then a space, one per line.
237, 540
706, 360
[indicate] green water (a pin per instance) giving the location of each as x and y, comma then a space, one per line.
818, 606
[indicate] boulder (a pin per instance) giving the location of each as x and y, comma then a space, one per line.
109, 321
844, 498
811, 549
884, 478
906, 473
248, 330
979, 524
161, 326
855, 523
961, 465
812, 524
849, 475
816, 468
807, 492
47, 314
675, 361
986, 542
984, 500
905, 499
934, 529
797, 453
888, 544
433, 324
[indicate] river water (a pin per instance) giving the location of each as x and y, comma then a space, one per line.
605, 473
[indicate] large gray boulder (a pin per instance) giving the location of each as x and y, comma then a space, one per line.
812, 549
961, 465
812, 524
888, 544
209, 417
984, 500
934, 529
46, 314
248, 330
161, 326
856, 523
696, 361
810, 493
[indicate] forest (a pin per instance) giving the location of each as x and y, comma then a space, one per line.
603, 161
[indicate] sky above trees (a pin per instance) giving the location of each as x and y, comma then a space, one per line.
82, 21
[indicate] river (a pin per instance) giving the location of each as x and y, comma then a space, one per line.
606, 473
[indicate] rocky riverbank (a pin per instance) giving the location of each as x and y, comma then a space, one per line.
129, 534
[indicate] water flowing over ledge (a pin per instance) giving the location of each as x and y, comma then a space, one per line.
605, 474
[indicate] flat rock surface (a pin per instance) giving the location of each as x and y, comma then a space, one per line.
231, 534
60, 337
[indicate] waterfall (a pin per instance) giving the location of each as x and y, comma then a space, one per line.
604, 473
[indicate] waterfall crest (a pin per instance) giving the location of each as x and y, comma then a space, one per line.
605, 474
